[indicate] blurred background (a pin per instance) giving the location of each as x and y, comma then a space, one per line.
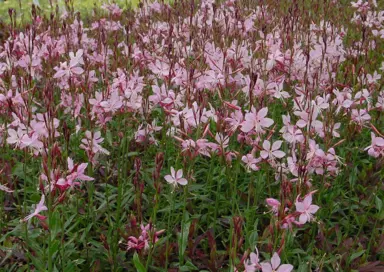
23, 7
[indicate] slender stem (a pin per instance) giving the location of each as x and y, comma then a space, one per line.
168, 228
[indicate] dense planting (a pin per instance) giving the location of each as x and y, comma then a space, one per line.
193, 136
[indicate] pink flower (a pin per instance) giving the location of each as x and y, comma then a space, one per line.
143, 241
113, 104
159, 68
39, 208
256, 120
234, 121
92, 143
274, 204
252, 263
222, 140
306, 209
251, 162
5, 189
360, 116
15, 137
377, 146
176, 177
76, 173
73, 68
32, 141
273, 152
22, 140
274, 265
76, 59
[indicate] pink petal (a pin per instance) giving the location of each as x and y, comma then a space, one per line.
85, 178
179, 174
169, 179
379, 141
59, 74
246, 126
266, 267
254, 258
273, 202
275, 261
300, 206
307, 201
182, 181
313, 209
5, 189
278, 154
276, 145
262, 113
77, 70
303, 218
301, 123
264, 154
70, 164
173, 174
267, 145
285, 268
266, 122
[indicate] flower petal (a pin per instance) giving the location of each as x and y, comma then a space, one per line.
267, 145
276, 145
278, 154
275, 261
182, 181
285, 268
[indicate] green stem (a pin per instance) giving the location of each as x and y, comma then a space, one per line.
168, 228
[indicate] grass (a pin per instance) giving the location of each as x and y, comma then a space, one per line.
23, 7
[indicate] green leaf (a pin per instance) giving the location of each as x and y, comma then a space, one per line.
188, 267
54, 247
54, 224
183, 236
356, 255
252, 239
70, 267
136, 261
108, 137
37, 262
302, 268
379, 203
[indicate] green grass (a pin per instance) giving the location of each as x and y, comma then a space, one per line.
23, 7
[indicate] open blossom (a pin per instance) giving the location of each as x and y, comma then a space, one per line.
274, 204
76, 172
274, 265
15, 137
112, 8
65, 71
256, 120
21, 139
113, 104
222, 140
143, 241
252, 264
377, 146
360, 116
306, 209
272, 152
159, 67
91, 143
234, 121
176, 178
38, 209
73, 68
251, 162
